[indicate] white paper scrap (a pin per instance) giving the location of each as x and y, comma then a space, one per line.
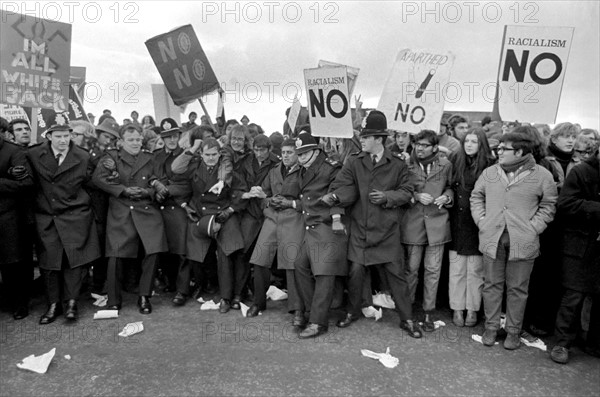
132, 329
210, 305
275, 294
370, 311
38, 364
386, 358
106, 314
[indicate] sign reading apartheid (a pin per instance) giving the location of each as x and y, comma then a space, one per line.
329, 102
411, 98
532, 69
35, 57
182, 64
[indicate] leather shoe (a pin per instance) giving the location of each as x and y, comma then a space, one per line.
144, 305
71, 312
312, 331
235, 302
350, 318
253, 311
414, 331
458, 318
560, 354
489, 337
471, 319
21, 313
54, 310
428, 325
224, 306
179, 299
512, 341
299, 319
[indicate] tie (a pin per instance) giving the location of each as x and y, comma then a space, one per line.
374, 159
58, 156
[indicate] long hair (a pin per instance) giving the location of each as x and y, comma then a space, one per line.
482, 159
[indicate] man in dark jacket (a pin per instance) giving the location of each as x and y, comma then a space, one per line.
15, 252
64, 218
134, 227
579, 210
373, 184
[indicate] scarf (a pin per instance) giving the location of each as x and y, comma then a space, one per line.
525, 162
563, 158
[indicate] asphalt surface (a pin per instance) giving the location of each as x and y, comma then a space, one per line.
186, 351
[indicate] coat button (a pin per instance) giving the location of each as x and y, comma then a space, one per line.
203, 208
146, 207
143, 177
308, 198
172, 207
507, 189
504, 208
300, 196
131, 207
162, 207
307, 213
202, 194
306, 227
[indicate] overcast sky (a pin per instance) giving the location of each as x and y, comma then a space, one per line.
260, 48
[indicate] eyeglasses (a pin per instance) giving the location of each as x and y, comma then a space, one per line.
584, 152
504, 149
234, 139
423, 145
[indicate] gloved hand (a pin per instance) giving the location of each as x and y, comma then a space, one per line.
222, 216
192, 215
338, 227
113, 176
377, 197
276, 201
330, 199
285, 203
144, 193
161, 191
136, 193
18, 172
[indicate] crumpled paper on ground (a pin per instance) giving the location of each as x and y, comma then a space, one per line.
210, 305
106, 314
38, 364
244, 308
132, 329
383, 300
438, 323
386, 358
372, 312
101, 300
200, 300
477, 338
538, 343
275, 294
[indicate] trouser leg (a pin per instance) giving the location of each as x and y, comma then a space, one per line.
517, 284
396, 276
431, 277
323, 295
294, 300
262, 278
148, 271
457, 281
493, 287
225, 273
414, 256
304, 278
114, 278
567, 318
474, 282
355, 287
184, 275
52, 281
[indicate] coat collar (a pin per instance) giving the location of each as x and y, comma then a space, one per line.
313, 170
48, 160
136, 163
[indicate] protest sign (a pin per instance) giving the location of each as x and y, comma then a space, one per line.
533, 63
329, 102
35, 56
12, 112
352, 73
182, 64
411, 99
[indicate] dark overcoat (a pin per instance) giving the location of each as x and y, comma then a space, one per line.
130, 221
326, 250
282, 231
374, 229
13, 217
63, 213
579, 211
428, 224
464, 231
205, 203
174, 216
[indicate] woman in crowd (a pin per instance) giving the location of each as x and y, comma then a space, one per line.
466, 262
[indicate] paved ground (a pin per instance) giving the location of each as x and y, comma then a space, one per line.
185, 351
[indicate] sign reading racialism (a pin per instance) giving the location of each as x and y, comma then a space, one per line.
411, 98
532, 69
329, 102
182, 64
35, 57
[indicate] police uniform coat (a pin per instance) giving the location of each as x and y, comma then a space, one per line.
174, 217
428, 224
374, 229
13, 217
63, 214
326, 250
127, 218
282, 231
205, 203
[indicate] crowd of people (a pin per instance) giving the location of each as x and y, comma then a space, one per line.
513, 208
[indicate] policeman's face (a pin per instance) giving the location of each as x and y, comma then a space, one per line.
59, 140
368, 144
471, 145
132, 141
105, 139
305, 157
261, 153
172, 141
210, 156
22, 133
460, 130
289, 156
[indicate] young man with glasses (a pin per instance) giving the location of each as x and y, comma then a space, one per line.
512, 203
